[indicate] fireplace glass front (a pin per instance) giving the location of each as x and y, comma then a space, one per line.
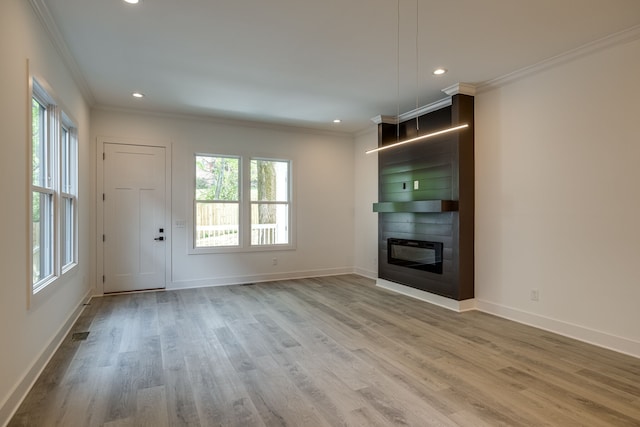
418, 254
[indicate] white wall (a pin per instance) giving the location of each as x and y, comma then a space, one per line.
28, 336
366, 194
558, 198
323, 193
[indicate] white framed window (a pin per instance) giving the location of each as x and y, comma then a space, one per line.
217, 201
270, 206
53, 203
241, 204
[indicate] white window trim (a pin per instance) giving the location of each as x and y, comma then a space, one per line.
56, 118
245, 245
289, 203
191, 241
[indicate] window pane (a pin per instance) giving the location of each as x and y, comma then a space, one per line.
66, 160
217, 224
42, 244
67, 231
269, 224
38, 143
217, 178
269, 181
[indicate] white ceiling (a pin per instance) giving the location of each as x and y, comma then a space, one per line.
305, 63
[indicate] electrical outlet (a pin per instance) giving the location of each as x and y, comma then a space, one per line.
416, 185
274, 261
535, 295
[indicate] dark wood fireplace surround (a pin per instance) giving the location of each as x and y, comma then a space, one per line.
441, 208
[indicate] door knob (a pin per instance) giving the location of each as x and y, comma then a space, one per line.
161, 238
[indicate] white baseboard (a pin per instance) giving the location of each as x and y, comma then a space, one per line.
580, 333
241, 280
20, 390
369, 274
458, 306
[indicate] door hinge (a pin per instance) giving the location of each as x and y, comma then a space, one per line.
103, 156
103, 238
103, 197
103, 278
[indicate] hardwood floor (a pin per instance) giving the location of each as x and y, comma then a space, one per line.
333, 351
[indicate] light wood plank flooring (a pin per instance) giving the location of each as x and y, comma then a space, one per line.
333, 351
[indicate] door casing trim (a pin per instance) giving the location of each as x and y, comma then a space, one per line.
101, 141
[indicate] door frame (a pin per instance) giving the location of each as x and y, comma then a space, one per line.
100, 146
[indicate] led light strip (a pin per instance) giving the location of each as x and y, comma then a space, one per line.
418, 138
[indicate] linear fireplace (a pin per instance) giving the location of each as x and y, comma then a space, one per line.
426, 201
418, 254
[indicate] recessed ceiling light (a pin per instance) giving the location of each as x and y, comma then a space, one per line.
132, 1
439, 71
337, 121
137, 95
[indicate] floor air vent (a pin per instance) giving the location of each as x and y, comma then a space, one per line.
79, 336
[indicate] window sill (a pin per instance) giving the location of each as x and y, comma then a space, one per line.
48, 288
240, 249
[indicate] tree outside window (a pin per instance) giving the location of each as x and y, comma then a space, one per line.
269, 202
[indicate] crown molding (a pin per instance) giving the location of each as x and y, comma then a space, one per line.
460, 88
392, 120
425, 109
621, 37
44, 15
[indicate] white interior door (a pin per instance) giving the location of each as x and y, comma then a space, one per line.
135, 227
